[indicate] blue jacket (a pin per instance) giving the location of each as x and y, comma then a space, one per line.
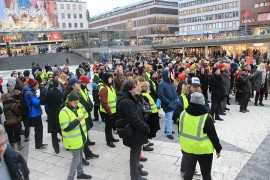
32, 101
167, 92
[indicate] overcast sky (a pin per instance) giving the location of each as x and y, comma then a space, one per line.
99, 6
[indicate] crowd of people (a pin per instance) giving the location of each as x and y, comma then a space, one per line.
127, 98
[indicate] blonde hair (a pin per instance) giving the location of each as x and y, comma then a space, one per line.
145, 86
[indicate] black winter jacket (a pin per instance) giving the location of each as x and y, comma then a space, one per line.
16, 164
216, 87
130, 109
209, 128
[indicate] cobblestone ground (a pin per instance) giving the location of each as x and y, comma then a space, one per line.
245, 139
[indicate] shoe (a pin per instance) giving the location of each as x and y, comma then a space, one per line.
227, 109
214, 121
197, 172
170, 137
143, 173
143, 159
43, 146
26, 139
150, 144
147, 148
90, 143
247, 110
229, 103
110, 144
242, 111
182, 174
223, 114
261, 104
95, 119
84, 162
84, 176
140, 166
92, 156
56, 151
58, 140
173, 132
219, 119
115, 140
255, 104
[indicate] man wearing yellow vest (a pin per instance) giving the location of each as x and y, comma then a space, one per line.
72, 122
108, 98
198, 137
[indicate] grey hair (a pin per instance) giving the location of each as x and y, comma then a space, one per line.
2, 130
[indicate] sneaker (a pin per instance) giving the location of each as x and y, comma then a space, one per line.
19, 145
170, 137
84, 176
247, 110
56, 151
150, 144
110, 144
143, 173
140, 166
242, 111
197, 172
147, 148
84, 162
92, 156
115, 140
261, 104
143, 159
172, 132
227, 109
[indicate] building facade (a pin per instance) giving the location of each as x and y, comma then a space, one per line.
208, 16
144, 19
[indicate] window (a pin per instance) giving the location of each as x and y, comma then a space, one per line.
80, 7
75, 16
81, 25
63, 25
68, 6
80, 15
62, 6
261, 4
267, 4
68, 15
63, 15
69, 25
75, 25
74, 6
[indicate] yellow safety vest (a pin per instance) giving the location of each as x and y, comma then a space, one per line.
148, 75
48, 73
85, 95
153, 105
185, 101
192, 138
154, 85
111, 99
72, 139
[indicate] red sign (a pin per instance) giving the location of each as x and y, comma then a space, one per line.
246, 14
264, 17
55, 36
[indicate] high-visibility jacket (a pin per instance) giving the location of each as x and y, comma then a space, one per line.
148, 75
153, 105
192, 138
72, 139
111, 99
185, 101
85, 94
154, 84
49, 73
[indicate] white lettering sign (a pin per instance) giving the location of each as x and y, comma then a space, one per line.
20, 12
248, 21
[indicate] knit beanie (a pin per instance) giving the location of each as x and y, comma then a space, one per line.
73, 96
32, 83
26, 73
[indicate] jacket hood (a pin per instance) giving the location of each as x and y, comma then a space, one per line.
124, 95
196, 109
27, 88
105, 77
165, 75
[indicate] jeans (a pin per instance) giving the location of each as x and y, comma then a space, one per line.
36, 122
134, 163
168, 127
14, 132
76, 163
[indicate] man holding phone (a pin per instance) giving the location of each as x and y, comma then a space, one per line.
74, 132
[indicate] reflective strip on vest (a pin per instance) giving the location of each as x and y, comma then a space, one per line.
197, 138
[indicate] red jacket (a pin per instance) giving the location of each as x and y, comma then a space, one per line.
1, 81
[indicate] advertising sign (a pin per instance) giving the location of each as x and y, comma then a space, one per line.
25, 15
264, 17
55, 36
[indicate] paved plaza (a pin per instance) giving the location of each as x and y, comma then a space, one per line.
245, 139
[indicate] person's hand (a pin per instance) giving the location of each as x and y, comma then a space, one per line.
218, 155
80, 118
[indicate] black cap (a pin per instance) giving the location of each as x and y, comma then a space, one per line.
73, 80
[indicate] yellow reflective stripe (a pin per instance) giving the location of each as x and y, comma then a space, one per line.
65, 123
72, 136
110, 102
198, 138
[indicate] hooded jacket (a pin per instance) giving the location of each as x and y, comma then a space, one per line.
167, 92
32, 101
209, 128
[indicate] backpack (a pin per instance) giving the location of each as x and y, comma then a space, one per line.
23, 106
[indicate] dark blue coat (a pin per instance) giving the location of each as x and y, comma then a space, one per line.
167, 92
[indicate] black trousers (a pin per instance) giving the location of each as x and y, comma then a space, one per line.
25, 121
108, 126
244, 100
1, 89
205, 162
259, 95
215, 108
96, 110
14, 132
134, 163
205, 93
55, 141
36, 122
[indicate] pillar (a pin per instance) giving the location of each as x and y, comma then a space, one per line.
234, 51
183, 50
206, 51
268, 50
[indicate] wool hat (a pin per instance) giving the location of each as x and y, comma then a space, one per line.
73, 96
84, 79
221, 65
73, 80
214, 69
197, 98
94, 85
182, 76
26, 73
17, 87
32, 83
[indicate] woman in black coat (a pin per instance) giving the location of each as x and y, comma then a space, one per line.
130, 110
54, 97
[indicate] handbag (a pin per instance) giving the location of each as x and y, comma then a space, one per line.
123, 130
158, 103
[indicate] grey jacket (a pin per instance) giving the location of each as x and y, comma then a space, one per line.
257, 80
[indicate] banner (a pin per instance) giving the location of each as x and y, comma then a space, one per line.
28, 15
55, 36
